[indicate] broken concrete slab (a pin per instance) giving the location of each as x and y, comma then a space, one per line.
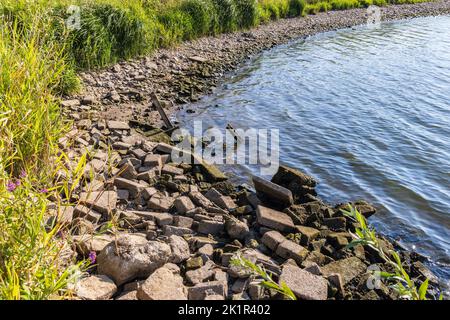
273, 192
274, 219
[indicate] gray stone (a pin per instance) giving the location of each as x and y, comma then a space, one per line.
200, 275
220, 200
132, 256
202, 290
168, 169
348, 268
304, 284
101, 201
117, 125
128, 295
163, 284
179, 231
160, 202
183, 205
134, 188
81, 211
272, 239
184, 222
274, 219
211, 227
95, 287
308, 234
236, 229
290, 250
273, 191
180, 249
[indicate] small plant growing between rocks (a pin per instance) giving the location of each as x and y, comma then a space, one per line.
403, 284
266, 280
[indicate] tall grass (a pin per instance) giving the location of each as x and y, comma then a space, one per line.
32, 68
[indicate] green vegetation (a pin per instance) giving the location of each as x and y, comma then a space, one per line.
402, 283
315, 6
265, 278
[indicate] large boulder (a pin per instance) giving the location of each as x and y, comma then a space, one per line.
163, 284
132, 256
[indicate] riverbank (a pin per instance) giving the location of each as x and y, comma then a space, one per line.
195, 68
176, 231
105, 186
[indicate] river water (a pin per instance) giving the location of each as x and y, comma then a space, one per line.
366, 111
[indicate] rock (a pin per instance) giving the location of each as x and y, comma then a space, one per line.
200, 200
255, 291
89, 243
132, 256
161, 218
160, 202
95, 287
206, 250
179, 231
180, 249
128, 295
240, 285
272, 239
338, 239
134, 188
163, 284
335, 280
211, 227
198, 59
88, 100
200, 275
289, 249
274, 219
117, 125
304, 284
102, 201
183, 205
308, 234
348, 268
273, 192
223, 202
153, 161
202, 290
127, 171
184, 222
236, 229
312, 267
299, 183
337, 223
194, 263
168, 169
70, 103
214, 297
81, 211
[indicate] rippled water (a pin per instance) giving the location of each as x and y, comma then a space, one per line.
366, 112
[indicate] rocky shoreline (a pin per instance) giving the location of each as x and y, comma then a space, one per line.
154, 229
185, 73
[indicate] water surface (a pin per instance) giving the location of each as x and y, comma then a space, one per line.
364, 111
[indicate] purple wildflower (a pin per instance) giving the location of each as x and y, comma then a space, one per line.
17, 183
11, 186
92, 257
23, 174
43, 190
